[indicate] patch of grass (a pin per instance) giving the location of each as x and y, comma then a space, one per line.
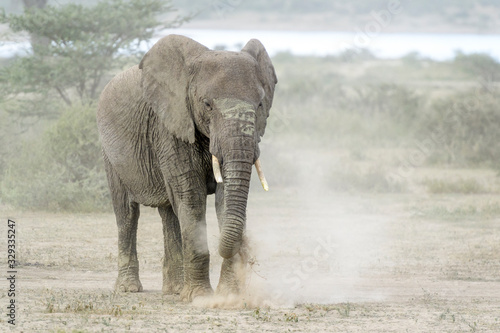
472, 324
447, 315
259, 314
291, 317
322, 308
344, 309
104, 304
463, 186
468, 212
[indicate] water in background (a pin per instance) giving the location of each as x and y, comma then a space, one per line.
321, 43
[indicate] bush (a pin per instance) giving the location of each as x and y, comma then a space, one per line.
462, 186
466, 127
460, 213
390, 102
319, 98
63, 171
480, 65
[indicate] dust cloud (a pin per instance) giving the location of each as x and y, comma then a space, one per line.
310, 245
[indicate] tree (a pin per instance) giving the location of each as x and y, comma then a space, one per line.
84, 43
481, 65
35, 39
61, 78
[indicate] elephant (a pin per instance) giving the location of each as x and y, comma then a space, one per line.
183, 124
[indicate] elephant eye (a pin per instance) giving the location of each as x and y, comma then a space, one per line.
260, 104
208, 106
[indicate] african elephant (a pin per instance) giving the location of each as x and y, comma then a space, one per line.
183, 124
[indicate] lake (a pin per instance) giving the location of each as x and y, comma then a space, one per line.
435, 46
321, 43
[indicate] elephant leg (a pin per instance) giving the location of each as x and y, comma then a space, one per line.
195, 250
127, 216
232, 275
173, 274
128, 264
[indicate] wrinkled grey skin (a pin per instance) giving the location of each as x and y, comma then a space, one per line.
160, 123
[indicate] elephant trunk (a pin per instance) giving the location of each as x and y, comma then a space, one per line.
236, 169
236, 195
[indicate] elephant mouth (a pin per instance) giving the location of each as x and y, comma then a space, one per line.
258, 167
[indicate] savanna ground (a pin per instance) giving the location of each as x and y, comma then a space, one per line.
327, 263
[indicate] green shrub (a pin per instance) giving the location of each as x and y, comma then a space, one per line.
317, 98
62, 171
463, 186
74, 142
466, 127
389, 102
464, 212
478, 64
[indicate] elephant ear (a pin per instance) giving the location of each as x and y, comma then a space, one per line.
165, 78
268, 78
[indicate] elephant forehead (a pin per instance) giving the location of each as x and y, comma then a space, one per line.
235, 109
228, 74
227, 60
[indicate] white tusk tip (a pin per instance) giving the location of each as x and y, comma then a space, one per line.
216, 168
262, 178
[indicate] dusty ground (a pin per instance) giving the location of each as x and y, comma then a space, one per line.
340, 263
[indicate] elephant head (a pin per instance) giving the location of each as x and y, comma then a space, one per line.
225, 96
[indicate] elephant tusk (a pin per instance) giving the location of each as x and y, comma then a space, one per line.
216, 167
262, 178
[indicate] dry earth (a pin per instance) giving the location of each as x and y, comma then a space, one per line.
337, 263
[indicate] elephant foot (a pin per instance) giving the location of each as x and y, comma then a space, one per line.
128, 283
172, 288
228, 288
188, 294
173, 280
233, 275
